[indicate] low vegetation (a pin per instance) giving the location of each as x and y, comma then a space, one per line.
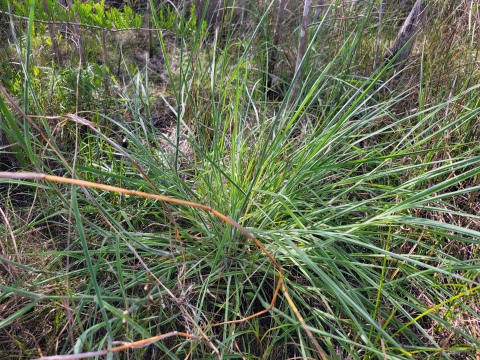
361, 186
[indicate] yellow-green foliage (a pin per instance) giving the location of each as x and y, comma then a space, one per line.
98, 14
88, 13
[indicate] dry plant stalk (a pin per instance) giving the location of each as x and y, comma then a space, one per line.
166, 199
53, 36
273, 55
78, 34
403, 43
133, 345
302, 47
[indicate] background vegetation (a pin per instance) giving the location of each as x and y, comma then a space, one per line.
362, 183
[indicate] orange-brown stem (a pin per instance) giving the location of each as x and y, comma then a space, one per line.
228, 219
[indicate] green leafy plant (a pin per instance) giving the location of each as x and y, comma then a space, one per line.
362, 190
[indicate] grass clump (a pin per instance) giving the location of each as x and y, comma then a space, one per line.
363, 187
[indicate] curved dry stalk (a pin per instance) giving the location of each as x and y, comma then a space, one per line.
83, 121
132, 345
227, 219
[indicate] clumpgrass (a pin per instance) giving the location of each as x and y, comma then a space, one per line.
366, 198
